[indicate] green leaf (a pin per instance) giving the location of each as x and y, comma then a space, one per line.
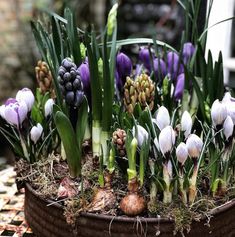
68, 138
82, 121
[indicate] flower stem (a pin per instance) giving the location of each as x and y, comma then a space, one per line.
167, 194
104, 138
96, 134
23, 145
193, 181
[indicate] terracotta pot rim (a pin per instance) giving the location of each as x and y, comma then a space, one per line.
214, 212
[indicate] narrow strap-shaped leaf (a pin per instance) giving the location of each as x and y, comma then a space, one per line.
82, 121
68, 138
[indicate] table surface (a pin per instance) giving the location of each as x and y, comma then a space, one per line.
12, 222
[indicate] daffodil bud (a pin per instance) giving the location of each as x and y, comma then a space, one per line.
194, 145
186, 123
48, 107
218, 113
228, 127
162, 117
26, 95
140, 133
14, 112
182, 153
166, 140
36, 133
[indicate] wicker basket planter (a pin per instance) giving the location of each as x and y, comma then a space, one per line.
49, 221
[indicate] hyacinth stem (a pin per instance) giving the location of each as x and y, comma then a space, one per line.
63, 155
132, 159
104, 138
167, 194
193, 181
96, 134
24, 148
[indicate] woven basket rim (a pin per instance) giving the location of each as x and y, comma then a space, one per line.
214, 212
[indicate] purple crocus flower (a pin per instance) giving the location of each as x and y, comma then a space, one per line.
123, 67
14, 112
159, 68
145, 58
179, 88
174, 67
188, 51
85, 77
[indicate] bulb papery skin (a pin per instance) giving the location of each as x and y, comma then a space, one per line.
194, 145
141, 134
26, 95
186, 124
228, 127
182, 153
162, 117
218, 113
166, 140
48, 107
36, 133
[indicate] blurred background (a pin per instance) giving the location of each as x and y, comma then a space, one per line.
136, 18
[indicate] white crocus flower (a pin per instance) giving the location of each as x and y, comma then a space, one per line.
228, 127
141, 134
162, 117
218, 113
48, 107
182, 153
166, 139
229, 102
36, 133
194, 145
186, 124
26, 95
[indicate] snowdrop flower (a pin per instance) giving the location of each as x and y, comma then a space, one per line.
218, 113
48, 107
194, 145
162, 117
141, 135
186, 124
27, 96
14, 112
36, 133
228, 127
166, 140
182, 153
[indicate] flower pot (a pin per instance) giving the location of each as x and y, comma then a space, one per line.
49, 221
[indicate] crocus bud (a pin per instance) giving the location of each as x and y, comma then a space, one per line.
123, 66
188, 51
179, 88
229, 102
85, 78
228, 127
174, 67
182, 153
166, 139
145, 58
162, 117
186, 124
141, 134
218, 113
15, 112
194, 145
36, 133
27, 96
48, 107
159, 68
